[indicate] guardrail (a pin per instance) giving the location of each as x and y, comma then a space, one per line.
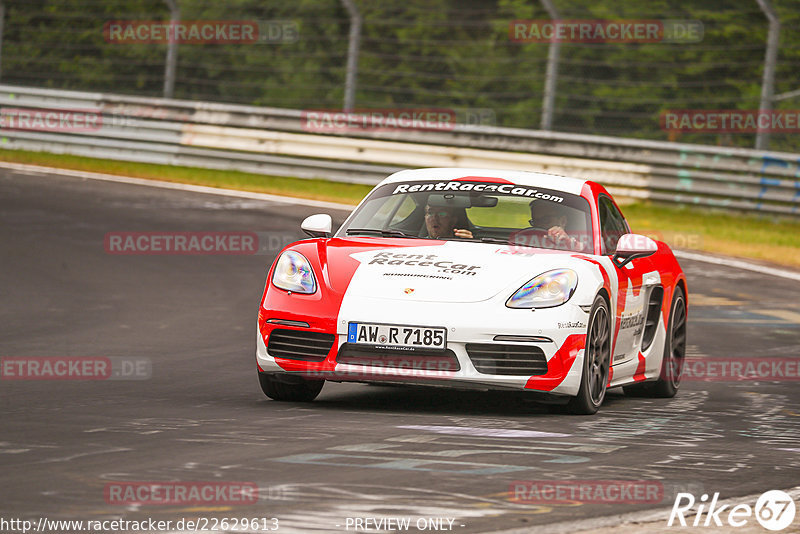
273, 141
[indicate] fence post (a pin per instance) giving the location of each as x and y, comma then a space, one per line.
768, 81
354, 43
172, 49
2, 27
551, 77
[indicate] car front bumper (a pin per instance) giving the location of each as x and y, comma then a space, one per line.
558, 332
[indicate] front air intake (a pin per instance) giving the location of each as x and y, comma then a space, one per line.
299, 345
497, 359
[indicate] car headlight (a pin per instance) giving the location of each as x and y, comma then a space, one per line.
547, 290
293, 273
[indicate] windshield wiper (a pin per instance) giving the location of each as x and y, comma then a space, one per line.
376, 231
494, 240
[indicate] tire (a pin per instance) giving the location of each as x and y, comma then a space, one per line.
674, 349
286, 387
669, 380
596, 361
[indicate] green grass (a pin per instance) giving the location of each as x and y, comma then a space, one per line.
748, 236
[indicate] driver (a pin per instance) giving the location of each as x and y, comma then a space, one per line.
441, 222
550, 218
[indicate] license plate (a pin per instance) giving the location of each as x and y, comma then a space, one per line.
397, 336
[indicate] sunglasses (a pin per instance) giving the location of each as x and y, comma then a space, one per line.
441, 214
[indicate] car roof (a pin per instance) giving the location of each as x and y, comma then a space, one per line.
531, 179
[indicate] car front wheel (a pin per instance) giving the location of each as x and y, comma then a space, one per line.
596, 361
286, 387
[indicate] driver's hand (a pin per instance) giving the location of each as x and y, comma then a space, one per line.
464, 234
557, 234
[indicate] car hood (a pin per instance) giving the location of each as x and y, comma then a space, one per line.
439, 271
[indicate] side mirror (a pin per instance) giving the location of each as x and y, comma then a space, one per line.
632, 246
318, 225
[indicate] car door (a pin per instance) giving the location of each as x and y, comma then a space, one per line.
631, 309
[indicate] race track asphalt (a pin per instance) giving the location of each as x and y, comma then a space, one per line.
197, 413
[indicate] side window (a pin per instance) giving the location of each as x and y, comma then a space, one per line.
391, 212
405, 209
612, 224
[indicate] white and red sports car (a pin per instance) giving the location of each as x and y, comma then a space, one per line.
476, 278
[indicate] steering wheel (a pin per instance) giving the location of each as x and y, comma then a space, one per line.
535, 236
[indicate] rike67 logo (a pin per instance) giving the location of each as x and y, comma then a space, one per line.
774, 510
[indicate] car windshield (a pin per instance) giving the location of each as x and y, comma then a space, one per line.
474, 210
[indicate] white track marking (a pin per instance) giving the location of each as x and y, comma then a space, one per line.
737, 264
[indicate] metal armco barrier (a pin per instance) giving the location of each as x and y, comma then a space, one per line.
273, 141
